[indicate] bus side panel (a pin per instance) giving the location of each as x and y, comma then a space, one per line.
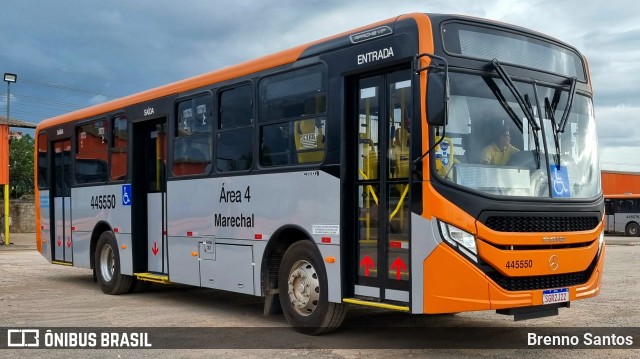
425, 237
125, 251
184, 266
623, 219
58, 227
92, 205
81, 247
231, 270
250, 209
45, 225
68, 235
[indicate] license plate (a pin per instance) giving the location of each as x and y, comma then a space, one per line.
551, 296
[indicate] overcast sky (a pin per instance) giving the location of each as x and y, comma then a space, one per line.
72, 54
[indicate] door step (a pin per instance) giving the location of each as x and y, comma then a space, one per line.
153, 277
62, 263
376, 304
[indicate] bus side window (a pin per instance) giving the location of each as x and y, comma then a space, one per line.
608, 207
92, 149
295, 101
43, 161
193, 144
275, 144
234, 139
119, 145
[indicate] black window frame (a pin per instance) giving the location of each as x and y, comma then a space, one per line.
266, 119
112, 131
175, 133
219, 130
47, 162
105, 119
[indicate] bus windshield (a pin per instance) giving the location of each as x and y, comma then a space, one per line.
490, 146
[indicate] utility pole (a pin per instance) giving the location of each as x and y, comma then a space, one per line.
9, 78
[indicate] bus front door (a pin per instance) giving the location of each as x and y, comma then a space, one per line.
149, 215
383, 122
61, 191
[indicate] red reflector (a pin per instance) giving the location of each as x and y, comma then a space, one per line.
164, 233
326, 239
189, 234
116, 230
41, 227
258, 236
395, 244
73, 228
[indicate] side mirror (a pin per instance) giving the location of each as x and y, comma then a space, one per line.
437, 100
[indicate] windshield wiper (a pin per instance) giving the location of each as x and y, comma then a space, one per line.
503, 101
567, 109
550, 115
524, 104
512, 87
550, 108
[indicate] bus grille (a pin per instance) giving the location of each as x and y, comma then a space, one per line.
543, 281
541, 224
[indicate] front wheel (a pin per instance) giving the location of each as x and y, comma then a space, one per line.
107, 266
632, 230
302, 284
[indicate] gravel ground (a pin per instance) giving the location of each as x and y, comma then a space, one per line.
34, 293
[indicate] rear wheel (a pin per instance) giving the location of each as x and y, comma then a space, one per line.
302, 284
632, 229
107, 266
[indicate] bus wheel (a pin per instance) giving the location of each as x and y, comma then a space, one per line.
107, 266
632, 229
302, 284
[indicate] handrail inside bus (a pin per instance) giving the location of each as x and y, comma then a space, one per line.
375, 198
404, 194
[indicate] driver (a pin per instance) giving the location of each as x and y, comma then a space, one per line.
500, 150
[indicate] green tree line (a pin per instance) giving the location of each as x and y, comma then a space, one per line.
21, 167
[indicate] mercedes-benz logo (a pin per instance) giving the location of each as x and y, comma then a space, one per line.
554, 263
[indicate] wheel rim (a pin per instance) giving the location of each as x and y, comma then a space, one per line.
304, 288
633, 230
107, 263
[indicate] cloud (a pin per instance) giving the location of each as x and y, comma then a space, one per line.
622, 158
121, 47
98, 99
618, 126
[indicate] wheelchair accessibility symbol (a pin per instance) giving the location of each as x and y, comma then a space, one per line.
560, 182
126, 194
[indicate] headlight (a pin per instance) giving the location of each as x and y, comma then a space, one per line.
460, 239
600, 242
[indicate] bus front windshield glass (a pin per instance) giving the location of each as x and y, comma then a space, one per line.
491, 147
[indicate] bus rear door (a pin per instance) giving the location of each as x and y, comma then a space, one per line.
149, 186
61, 191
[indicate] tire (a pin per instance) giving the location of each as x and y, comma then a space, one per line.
107, 266
632, 230
303, 288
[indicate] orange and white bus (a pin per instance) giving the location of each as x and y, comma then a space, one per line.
622, 214
349, 171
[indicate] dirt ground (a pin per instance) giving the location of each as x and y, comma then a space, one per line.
34, 293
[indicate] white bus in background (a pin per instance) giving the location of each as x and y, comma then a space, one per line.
623, 214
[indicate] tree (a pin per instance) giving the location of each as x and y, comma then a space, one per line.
21, 167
